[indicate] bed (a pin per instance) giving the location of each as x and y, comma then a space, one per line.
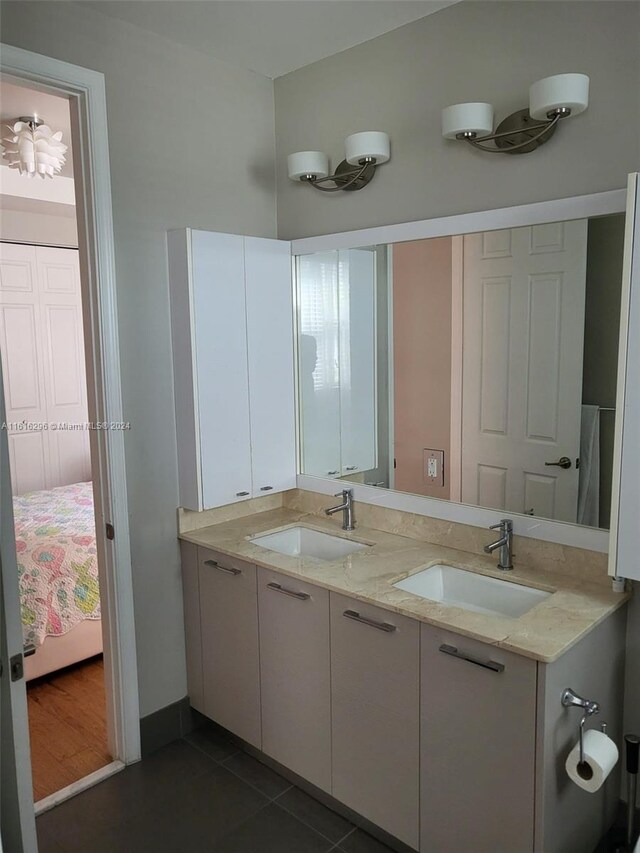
58, 574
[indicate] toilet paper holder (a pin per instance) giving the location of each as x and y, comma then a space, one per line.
570, 699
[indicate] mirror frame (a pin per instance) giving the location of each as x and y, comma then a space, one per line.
558, 210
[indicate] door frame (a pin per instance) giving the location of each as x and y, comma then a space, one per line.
85, 90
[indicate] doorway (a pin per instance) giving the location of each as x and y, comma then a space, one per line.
83, 91
47, 425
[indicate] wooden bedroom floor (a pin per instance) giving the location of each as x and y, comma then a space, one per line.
67, 726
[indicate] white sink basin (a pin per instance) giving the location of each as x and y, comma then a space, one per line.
303, 542
472, 591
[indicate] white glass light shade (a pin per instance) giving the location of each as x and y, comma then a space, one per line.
369, 144
467, 118
561, 90
34, 151
304, 163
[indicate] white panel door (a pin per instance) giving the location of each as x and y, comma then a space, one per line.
319, 370
624, 551
221, 367
64, 364
357, 308
270, 348
524, 300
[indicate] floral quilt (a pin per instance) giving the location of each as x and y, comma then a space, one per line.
57, 560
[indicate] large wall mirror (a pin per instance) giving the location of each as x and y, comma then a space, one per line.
478, 368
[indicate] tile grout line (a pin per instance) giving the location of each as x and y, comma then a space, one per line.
250, 784
310, 826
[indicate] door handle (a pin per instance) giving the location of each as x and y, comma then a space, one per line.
381, 626
493, 665
216, 565
301, 596
563, 462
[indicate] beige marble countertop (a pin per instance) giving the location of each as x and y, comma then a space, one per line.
544, 633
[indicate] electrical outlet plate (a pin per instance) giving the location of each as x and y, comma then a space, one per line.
433, 466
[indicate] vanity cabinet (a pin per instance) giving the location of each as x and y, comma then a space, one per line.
477, 743
230, 650
294, 675
446, 743
375, 678
232, 330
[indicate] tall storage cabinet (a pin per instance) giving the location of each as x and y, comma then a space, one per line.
232, 329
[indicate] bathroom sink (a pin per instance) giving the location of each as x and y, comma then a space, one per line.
472, 591
304, 542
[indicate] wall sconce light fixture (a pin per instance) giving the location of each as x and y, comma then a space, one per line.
33, 148
364, 153
550, 100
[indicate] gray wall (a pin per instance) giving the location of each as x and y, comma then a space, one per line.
191, 143
470, 51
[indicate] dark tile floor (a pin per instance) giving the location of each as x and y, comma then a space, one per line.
198, 795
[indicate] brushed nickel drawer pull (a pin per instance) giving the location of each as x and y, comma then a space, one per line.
331, 473
351, 468
381, 626
266, 488
241, 494
228, 569
493, 665
301, 596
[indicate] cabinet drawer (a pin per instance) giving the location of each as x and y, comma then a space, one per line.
294, 670
375, 714
478, 716
230, 656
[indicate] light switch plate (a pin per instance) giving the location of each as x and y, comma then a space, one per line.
433, 466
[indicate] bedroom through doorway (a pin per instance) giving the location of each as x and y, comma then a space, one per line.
48, 430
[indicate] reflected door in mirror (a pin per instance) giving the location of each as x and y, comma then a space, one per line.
524, 304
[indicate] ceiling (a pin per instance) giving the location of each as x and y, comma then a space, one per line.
16, 101
272, 37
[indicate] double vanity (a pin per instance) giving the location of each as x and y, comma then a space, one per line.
416, 685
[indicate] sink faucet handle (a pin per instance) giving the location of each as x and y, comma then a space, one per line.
504, 524
344, 493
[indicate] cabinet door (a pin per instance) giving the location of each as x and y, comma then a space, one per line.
193, 636
357, 306
270, 350
319, 363
220, 347
375, 715
294, 669
230, 658
64, 363
477, 746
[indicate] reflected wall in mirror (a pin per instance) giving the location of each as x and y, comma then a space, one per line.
479, 368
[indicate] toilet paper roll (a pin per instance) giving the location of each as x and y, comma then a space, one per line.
600, 757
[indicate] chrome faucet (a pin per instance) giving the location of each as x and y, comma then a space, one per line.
348, 513
505, 544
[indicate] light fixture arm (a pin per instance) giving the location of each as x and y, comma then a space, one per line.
545, 127
351, 176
